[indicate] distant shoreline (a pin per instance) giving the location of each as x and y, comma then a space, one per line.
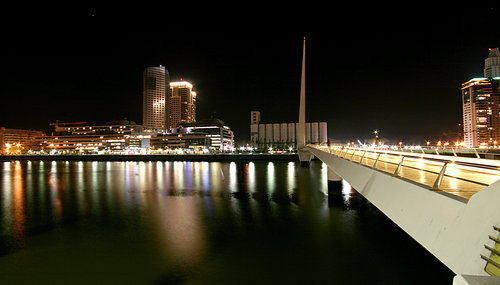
155, 157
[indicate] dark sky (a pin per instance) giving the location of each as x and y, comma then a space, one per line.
397, 69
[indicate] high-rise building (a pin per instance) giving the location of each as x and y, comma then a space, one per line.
156, 86
481, 111
492, 64
481, 105
181, 104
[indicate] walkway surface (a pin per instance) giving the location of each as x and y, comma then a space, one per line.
462, 177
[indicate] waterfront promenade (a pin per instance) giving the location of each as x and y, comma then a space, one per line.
157, 157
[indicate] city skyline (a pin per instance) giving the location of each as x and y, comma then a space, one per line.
400, 75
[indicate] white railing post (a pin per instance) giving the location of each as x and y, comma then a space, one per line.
477, 154
352, 156
398, 169
437, 183
362, 157
376, 160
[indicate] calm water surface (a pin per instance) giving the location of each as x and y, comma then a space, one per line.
197, 223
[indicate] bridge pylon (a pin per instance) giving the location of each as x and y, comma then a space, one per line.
304, 154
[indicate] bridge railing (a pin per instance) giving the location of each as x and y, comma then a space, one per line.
461, 176
464, 152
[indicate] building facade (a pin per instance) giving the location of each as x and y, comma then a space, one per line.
481, 112
254, 127
282, 136
181, 104
16, 140
83, 138
127, 137
186, 141
155, 88
219, 136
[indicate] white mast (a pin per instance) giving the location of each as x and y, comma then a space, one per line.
304, 154
301, 129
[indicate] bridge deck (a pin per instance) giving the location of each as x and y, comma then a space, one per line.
459, 180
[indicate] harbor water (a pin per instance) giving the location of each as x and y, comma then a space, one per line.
181, 222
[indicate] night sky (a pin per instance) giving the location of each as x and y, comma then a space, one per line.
397, 69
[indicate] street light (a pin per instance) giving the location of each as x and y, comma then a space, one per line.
375, 132
7, 147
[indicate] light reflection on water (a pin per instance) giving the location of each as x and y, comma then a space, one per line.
183, 217
94, 186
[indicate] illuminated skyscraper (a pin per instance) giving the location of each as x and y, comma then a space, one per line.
181, 104
481, 109
481, 105
156, 86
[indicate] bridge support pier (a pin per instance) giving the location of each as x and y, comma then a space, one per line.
332, 176
334, 181
305, 157
335, 196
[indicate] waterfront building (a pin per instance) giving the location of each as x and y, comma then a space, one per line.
282, 136
181, 104
16, 140
116, 136
155, 88
481, 105
219, 136
197, 141
127, 137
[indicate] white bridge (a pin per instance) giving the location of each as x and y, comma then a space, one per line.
449, 204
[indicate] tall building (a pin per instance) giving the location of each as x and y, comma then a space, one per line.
181, 104
254, 127
481, 105
481, 111
492, 64
156, 86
